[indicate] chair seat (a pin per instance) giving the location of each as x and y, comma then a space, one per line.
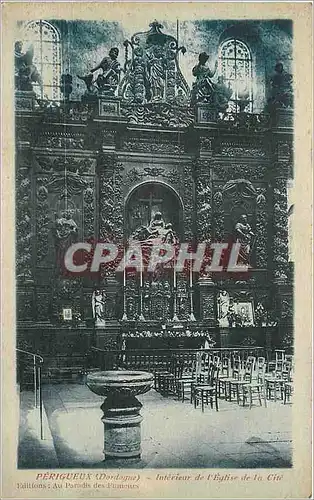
186, 380
204, 387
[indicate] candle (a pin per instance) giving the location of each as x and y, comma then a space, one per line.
124, 272
141, 273
174, 274
191, 273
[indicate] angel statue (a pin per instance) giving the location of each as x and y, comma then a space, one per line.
26, 72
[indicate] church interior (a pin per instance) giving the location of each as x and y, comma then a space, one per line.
176, 132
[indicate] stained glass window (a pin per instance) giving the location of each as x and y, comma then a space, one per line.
235, 65
45, 39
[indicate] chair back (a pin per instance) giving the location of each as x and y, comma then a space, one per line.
214, 375
236, 368
216, 360
225, 366
286, 371
261, 372
261, 362
178, 369
248, 370
279, 359
250, 360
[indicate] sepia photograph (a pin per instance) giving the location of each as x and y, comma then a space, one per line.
154, 274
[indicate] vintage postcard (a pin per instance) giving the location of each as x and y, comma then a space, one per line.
156, 250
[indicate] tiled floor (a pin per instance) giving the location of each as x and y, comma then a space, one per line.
174, 434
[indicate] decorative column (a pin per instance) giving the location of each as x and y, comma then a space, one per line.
204, 204
110, 174
122, 419
281, 273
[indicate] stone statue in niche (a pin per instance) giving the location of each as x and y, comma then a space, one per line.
244, 236
152, 73
156, 232
260, 315
106, 82
204, 88
26, 72
223, 303
65, 232
231, 315
281, 88
98, 307
156, 73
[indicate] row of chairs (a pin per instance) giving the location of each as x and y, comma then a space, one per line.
212, 378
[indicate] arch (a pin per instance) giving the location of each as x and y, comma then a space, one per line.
235, 65
46, 41
164, 193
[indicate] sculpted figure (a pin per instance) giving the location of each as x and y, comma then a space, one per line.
223, 308
107, 81
244, 235
282, 89
26, 72
98, 302
204, 86
205, 89
156, 73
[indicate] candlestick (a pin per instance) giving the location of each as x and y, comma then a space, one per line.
124, 272
141, 272
124, 317
191, 273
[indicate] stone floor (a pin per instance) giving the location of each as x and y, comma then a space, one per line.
174, 434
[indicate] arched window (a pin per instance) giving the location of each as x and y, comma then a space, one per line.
45, 39
235, 65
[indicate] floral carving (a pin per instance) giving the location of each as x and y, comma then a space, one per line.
250, 172
111, 201
70, 164
204, 207
149, 146
188, 201
48, 140
245, 121
280, 221
89, 210
23, 224
158, 114
42, 218
232, 149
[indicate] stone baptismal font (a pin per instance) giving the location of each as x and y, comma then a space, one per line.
122, 419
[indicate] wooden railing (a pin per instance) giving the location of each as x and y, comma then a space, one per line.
160, 359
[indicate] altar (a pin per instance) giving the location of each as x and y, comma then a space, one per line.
152, 161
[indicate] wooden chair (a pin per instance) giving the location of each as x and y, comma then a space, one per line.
202, 378
168, 382
186, 381
234, 374
207, 393
288, 388
224, 373
242, 379
275, 381
256, 389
